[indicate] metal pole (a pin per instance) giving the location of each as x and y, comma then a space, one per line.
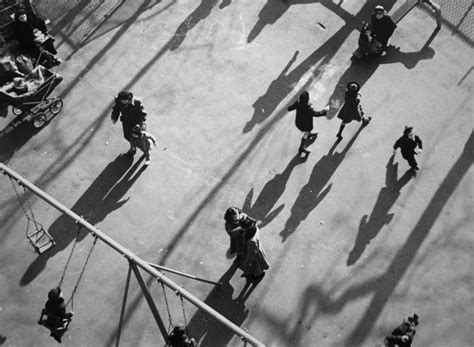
124, 303
150, 301
132, 257
164, 268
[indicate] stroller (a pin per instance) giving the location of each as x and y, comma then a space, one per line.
35, 103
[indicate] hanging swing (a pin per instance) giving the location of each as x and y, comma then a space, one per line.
59, 323
39, 238
178, 335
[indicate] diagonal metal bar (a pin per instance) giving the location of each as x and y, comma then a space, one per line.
124, 303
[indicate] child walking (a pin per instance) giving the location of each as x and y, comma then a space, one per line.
143, 140
352, 109
410, 145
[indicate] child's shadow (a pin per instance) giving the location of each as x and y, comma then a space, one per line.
208, 331
370, 226
102, 197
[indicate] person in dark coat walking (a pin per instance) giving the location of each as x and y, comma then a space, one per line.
304, 120
232, 217
130, 111
352, 109
402, 336
410, 145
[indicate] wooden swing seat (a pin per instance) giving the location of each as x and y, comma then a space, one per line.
55, 324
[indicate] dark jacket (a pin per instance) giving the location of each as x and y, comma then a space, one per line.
351, 110
304, 115
130, 115
57, 307
382, 29
23, 32
407, 146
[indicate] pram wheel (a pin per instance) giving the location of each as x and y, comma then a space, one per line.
16, 111
39, 120
56, 106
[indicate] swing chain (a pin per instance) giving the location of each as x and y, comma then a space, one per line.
82, 273
28, 205
184, 313
167, 306
70, 256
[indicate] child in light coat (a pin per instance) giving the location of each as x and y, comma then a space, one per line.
143, 140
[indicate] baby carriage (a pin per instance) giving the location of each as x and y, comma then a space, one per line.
35, 103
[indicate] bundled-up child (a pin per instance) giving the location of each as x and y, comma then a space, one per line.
143, 140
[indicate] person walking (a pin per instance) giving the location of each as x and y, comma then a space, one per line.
304, 120
233, 216
130, 111
352, 109
254, 260
410, 145
143, 140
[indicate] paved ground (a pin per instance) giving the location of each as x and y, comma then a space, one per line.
355, 243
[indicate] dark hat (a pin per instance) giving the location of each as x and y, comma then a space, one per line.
20, 11
54, 293
353, 86
124, 95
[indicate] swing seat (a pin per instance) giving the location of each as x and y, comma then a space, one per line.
57, 325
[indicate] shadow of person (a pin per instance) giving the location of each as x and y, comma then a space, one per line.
315, 190
13, 137
250, 285
267, 103
261, 209
200, 13
208, 331
224, 4
369, 227
101, 198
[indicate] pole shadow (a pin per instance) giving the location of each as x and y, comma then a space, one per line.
102, 197
12, 138
261, 209
210, 332
369, 227
315, 190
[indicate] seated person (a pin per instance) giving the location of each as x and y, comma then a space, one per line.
24, 27
402, 336
12, 63
19, 87
179, 338
374, 37
55, 304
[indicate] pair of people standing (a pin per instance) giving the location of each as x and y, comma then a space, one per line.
129, 109
245, 244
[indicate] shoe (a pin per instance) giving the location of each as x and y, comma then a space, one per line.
304, 150
415, 168
313, 136
147, 162
131, 152
366, 121
339, 136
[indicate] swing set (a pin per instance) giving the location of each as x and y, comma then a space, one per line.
42, 241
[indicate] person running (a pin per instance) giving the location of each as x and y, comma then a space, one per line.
304, 120
410, 145
352, 109
130, 111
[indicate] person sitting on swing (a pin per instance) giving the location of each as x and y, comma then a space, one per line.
55, 304
179, 338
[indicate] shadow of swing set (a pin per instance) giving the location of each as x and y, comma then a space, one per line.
42, 241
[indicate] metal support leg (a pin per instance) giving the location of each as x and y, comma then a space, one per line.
124, 303
150, 301
437, 9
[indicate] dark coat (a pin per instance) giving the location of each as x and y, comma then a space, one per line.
407, 146
351, 110
23, 32
304, 115
130, 115
57, 307
382, 29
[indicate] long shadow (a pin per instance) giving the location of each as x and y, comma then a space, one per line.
102, 197
369, 227
271, 12
267, 103
12, 138
315, 190
392, 276
285, 82
200, 13
271, 192
209, 331
317, 301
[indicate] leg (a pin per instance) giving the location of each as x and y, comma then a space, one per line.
341, 128
303, 144
147, 158
412, 162
133, 149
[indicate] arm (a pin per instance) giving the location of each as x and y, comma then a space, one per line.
141, 113
292, 106
115, 112
152, 138
418, 142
